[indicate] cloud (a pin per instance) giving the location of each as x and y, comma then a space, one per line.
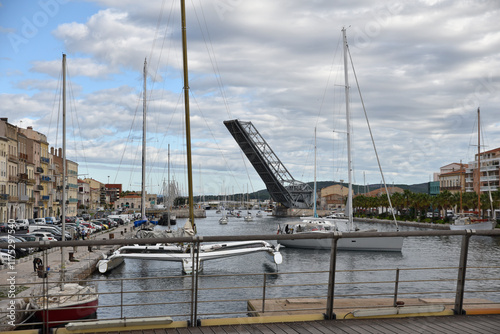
423, 67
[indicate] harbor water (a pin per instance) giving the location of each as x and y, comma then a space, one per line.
167, 285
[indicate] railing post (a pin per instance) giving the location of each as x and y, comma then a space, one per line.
331, 279
121, 298
462, 266
264, 293
396, 286
196, 270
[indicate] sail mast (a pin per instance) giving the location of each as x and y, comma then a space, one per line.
63, 206
186, 109
347, 112
315, 188
478, 164
143, 181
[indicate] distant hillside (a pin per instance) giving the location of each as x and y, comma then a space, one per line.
358, 189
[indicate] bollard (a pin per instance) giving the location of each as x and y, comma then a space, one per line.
125, 230
111, 235
71, 256
90, 249
122, 233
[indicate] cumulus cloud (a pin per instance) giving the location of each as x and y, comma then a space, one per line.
423, 67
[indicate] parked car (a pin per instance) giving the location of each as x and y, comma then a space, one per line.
4, 227
31, 221
40, 221
22, 224
12, 224
86, 216
5, 258
28, 237
45, 236
20, 251
49, 220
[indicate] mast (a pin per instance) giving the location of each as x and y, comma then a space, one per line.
186, 108
315, 212
347, 112
169, 207
143, 181
63, 206
478, 163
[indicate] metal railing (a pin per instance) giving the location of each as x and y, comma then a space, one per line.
201, 296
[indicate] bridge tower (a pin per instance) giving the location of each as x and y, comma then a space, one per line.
282, 187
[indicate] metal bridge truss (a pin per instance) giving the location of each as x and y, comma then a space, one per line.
282, 187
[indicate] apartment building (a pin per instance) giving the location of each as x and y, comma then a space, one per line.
31, 176
487, 179
452, 177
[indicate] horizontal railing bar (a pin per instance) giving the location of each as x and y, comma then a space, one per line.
272, 237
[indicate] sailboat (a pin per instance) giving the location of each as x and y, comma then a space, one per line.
184, 253
317, 225
473, 220
66, 301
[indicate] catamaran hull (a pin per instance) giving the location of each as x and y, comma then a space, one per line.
207, 252
487, 225
382, 244
106, 265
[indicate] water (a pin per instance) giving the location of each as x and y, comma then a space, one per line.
418, 252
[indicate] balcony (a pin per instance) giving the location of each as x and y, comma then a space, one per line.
39, 187
45, 160
13, 178
39, 170
73, 200
4, 197
52, 167
12, 158
23, 177
23, 156
45, 198
31, 181
14, 199
23, 198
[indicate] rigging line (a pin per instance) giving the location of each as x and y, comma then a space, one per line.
214, 139
180, 96
373, 140
73, 109
57, 98
128, 140
213, 59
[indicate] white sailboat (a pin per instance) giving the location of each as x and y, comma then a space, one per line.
325, 225
66, 301
180, 253
473, 220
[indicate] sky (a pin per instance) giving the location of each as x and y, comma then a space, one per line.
423, 68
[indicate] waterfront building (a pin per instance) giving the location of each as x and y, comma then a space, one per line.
4, 197
133, 201
113, 192
489, 176
333, 197
83, 195
452, 177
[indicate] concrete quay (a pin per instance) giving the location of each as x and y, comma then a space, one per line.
79, 263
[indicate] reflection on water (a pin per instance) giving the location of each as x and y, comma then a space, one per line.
352, 277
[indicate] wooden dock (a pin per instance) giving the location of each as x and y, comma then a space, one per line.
464, 324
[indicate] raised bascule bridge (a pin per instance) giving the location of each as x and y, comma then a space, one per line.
280, 184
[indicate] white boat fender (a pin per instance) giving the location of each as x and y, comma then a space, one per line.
278, 258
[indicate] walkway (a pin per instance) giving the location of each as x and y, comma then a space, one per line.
474, 324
